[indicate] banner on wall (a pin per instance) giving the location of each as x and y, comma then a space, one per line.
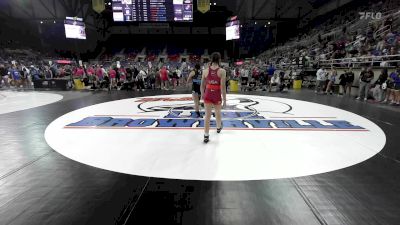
203, 5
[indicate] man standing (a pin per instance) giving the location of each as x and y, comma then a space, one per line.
366, 77
321, 80
349, 81
244, 73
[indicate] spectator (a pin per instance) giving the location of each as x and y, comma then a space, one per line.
252, 85
378, 91
349, 81
113, 77
332, 80
263, 80
48, 74
275, 82
164, 78
175, 79
140, 80
99, 73
16, 76
393, 88
342, 83
244, 77
79, 73
321, 80
35, 73
270, 70
366, 77
129, 73
4, 76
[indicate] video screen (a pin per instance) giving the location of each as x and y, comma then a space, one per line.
74, 28
152, 10
233, 30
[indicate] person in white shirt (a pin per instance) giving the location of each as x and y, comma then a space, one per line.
321, 80
244, 76
140, 79
275, 82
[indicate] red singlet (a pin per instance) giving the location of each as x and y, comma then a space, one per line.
212, 93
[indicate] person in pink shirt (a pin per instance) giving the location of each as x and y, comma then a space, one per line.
122, 73
99, 73
90, 71
113, 75
164, 78
61, 72
79, 72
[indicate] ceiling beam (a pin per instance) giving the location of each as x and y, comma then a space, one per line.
288, 7
33, 10
240, 6
68, 9
47, 9
253, 8
15, 7
266, 2
55, 8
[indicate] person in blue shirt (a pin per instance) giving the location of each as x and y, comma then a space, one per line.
35, 73
270, 70
15, 76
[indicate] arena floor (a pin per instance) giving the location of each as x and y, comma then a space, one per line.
268, 175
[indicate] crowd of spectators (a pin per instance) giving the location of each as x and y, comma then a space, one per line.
349, 37
385, 89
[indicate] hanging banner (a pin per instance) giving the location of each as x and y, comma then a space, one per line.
98, 5
203, 5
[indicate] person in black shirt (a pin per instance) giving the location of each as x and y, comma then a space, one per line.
378, 91
366, 77
195, 78
342, 83
263, 81
129, 73
252, 85
349, 81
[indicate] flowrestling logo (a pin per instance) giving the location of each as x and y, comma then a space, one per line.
240, 114
263, 138
370, 15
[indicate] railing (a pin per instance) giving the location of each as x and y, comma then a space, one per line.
356, 62
382, 31
362, 60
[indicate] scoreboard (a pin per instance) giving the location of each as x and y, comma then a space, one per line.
74, 28
152, 10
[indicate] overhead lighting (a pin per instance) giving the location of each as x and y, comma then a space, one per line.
255, 22
269, 23
41, 22
109, 3
54, 21
215, 3
265, 25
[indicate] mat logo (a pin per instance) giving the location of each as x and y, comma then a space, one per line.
232, 120
240, 114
